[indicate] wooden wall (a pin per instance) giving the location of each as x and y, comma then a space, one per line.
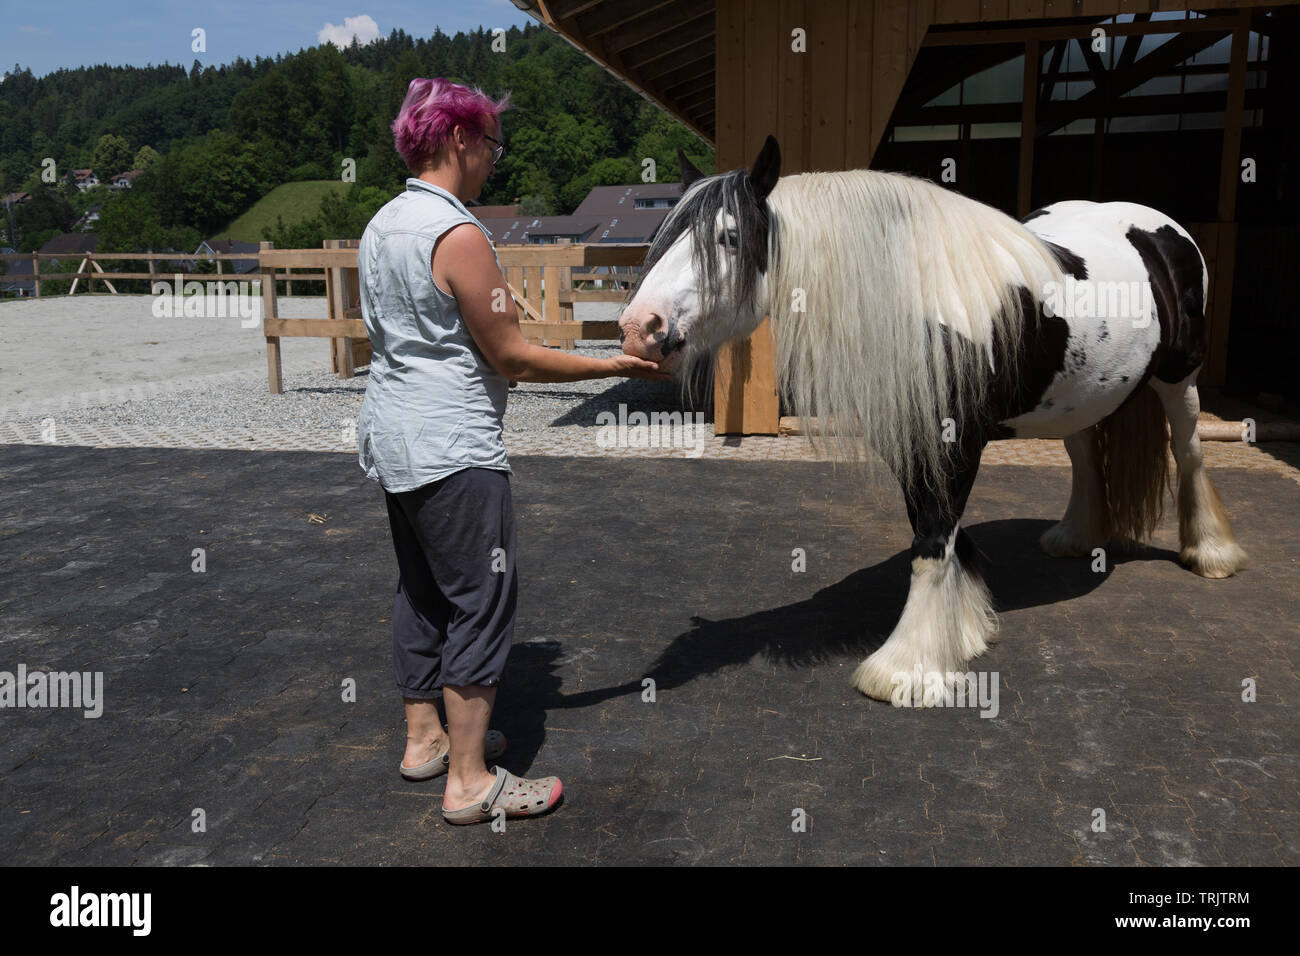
829, 107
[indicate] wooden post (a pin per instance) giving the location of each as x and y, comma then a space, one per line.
1214, 371
339, 363
1028, 120
566, 289
1098, 156
532, 290
269, 311
551, 295
350, 293
36, 268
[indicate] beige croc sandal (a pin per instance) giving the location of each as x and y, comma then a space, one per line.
494, 745
515, 795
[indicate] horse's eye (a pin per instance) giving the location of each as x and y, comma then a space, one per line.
729, 238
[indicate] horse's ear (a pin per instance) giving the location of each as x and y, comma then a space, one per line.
767, 168
688, 171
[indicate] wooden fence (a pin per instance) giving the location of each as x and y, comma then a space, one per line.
545, 282
91, 271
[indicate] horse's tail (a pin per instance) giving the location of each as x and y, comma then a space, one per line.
1132, 448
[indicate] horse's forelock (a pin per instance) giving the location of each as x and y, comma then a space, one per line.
697, 212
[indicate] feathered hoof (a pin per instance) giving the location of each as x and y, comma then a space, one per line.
897, 674
1062, 541
1213, 559
881, 680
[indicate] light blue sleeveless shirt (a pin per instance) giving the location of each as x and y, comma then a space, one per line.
434, 403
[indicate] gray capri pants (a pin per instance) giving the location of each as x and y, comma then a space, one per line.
454, 613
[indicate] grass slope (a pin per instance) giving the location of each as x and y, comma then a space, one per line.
293, 201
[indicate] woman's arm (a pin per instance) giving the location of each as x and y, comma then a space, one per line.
470, 273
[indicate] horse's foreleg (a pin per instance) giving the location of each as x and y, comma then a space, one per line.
1206, 542
1084, 525
948, 618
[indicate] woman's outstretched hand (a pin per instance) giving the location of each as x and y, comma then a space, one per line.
629, 366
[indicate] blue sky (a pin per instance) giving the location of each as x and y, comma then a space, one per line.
45, 37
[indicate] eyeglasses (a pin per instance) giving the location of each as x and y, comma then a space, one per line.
500, 149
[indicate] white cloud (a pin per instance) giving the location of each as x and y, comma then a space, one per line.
364, 28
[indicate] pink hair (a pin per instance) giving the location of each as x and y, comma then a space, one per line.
432, 109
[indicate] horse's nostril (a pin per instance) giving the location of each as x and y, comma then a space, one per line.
659, 337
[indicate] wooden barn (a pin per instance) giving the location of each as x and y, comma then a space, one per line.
1190, 108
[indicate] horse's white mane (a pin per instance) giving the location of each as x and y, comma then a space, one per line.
874, 259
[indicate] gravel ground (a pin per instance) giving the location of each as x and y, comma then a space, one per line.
134, 369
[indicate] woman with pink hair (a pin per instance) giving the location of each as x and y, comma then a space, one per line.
446, 347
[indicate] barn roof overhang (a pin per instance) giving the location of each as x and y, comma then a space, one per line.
662, 49
666, 50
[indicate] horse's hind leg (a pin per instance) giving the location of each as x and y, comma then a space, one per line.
1205, 538
1084, 526
948, 617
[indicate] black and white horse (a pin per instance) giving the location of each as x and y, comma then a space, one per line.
920, 324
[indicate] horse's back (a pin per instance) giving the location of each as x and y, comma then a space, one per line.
1132, 303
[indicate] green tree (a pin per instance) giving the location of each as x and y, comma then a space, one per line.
112, 156
534, 205
145, 158
47, 210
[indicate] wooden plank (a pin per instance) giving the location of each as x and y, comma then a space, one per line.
1214, 372
570, 296
551, 293
612, 254
762, 404
532, 289
767, 41
1230, 168
859, 146
524, 305
827, 58
315, 328
1070, 32
890, 62
1026, 9
565, 294
957, 11
994, 9
731, 97
531, 255
336, 344
362, 352
1096, 8
730, 90
1028, 121
270, 315
920, 16
793, 99
337, 305
306, 258
568, 331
